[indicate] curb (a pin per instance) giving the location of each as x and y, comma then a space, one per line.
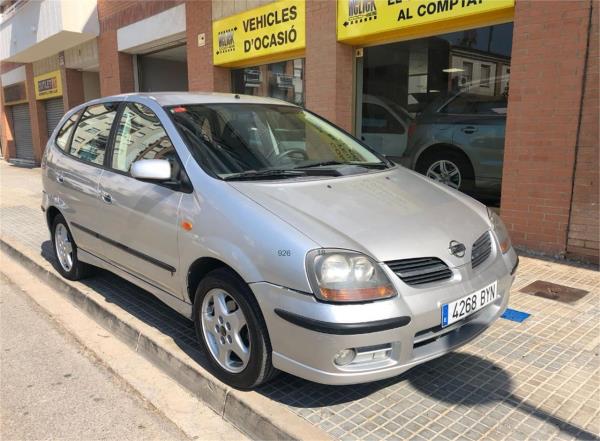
252, 413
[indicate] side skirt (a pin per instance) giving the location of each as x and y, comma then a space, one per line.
170, 300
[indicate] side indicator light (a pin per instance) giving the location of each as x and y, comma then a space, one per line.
186, 225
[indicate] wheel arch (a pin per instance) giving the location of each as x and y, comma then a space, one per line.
199, 269
51, 213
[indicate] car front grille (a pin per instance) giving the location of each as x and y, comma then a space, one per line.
421, 270
482, 248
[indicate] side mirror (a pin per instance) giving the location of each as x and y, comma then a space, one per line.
151, 170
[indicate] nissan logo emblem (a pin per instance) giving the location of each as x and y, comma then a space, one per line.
457, 249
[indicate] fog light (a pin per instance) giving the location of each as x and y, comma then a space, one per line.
344, 357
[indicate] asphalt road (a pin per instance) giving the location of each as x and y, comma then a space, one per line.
49, 388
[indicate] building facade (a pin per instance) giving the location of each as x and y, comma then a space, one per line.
512, 82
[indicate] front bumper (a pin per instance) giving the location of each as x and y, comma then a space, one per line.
410, 332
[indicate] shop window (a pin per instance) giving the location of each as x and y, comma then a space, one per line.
425, 98
283, 80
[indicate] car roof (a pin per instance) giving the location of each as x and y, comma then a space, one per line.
186, 98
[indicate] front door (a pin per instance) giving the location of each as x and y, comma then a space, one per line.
141, 218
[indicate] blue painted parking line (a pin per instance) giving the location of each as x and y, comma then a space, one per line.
515, 316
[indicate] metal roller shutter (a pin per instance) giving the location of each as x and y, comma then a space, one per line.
54, 112
22, 127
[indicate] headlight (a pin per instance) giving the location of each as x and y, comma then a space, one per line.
346, 276
500, 231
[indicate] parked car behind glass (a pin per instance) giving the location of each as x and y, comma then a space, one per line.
459, 141
290, 244
384, 126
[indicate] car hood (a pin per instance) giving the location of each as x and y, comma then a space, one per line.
389, 215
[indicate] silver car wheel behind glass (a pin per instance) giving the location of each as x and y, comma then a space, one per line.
64, 247
225, 330
446, 172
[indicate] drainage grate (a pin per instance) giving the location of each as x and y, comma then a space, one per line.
553, 291
514, 315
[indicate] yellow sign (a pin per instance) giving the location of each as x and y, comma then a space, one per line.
261, 34
48, 85
366, 21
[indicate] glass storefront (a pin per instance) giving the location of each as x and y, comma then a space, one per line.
438, 105
283, 80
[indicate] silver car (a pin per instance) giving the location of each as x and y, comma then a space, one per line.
290, 244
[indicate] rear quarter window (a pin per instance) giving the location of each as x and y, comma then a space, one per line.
63, 135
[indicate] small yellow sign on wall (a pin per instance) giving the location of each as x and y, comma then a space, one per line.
367, 21
260, 34
48, 85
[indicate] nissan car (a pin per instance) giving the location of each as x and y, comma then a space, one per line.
290, 244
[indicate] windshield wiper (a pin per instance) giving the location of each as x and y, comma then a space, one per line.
378, 165
281, 174
264, 174
319, 164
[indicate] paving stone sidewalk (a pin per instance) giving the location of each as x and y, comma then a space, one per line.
538, 380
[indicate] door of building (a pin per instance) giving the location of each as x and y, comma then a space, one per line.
22, 132
54, 112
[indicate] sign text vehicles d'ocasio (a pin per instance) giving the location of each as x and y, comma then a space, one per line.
260, 34
371, 21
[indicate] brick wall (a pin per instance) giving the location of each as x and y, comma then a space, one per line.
202, 75
6, 66
584, 227
114, 14
549, 47
329, 66
72, 81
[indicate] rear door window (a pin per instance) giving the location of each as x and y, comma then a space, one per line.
91, 135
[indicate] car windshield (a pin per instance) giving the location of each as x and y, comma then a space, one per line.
253, 141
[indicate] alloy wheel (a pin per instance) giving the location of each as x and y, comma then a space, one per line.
64, 247
446, 172
225, 330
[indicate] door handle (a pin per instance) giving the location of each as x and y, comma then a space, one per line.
469, 129
107, 198
60, 178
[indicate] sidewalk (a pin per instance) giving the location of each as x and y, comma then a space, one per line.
539, 379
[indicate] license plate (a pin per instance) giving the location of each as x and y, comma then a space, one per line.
467, 305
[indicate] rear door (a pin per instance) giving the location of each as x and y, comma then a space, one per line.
140, 219
79, 174
480, 132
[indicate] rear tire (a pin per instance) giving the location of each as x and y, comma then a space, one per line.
65, 251
231, 330
448, 167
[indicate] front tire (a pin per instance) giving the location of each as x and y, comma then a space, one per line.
65, 251
231, 330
